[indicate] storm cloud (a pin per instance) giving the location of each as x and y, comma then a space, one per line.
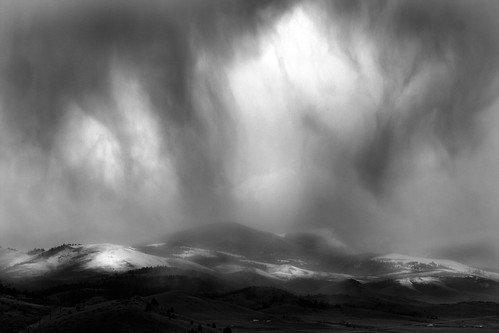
376, 120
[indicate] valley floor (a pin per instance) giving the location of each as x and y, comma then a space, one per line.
241, 312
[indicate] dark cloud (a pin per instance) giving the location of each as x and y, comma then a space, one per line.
59, 54
415, 39
132, 118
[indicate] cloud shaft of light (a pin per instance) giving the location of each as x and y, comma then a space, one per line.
377, 120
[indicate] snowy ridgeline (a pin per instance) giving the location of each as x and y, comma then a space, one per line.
109, 258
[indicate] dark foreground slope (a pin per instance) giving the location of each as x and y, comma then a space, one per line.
152, 300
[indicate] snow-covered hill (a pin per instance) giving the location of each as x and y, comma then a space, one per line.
228, 263
227, 237
73, 259
405, 263
222, 252
425, 274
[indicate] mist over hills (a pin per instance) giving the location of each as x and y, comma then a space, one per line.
373, 122
238, 276
234, 238
357, 140
228, 250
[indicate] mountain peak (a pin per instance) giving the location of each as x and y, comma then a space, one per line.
222, 225
234, 238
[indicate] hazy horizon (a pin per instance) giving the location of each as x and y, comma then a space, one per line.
372, 122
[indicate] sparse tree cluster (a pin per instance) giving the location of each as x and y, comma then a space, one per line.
36, 251
170, 313
199, 328
312, 304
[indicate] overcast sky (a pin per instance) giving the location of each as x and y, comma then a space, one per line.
376, 121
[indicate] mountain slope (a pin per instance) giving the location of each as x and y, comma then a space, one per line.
10, 257
229, 252
228, 237
399, 264
74, 260
230, 248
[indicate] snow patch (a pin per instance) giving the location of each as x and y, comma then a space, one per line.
192, 252
156, 245
402, 260
406, 282
288, 272
112, 257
